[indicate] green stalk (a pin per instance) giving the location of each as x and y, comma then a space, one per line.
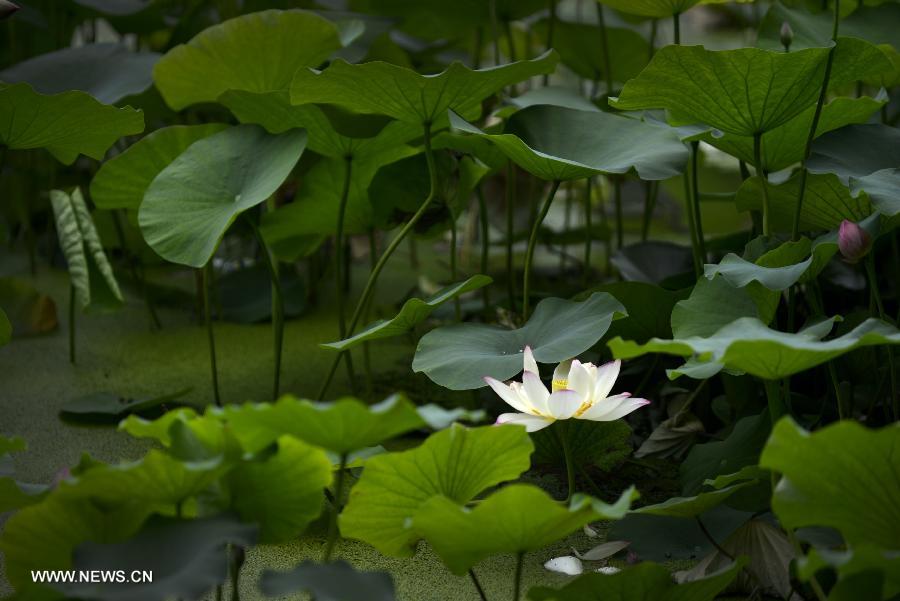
695, 201
517, 588
339, 248
236, 564
495, 32
532, 242
477, 584
795, 226
457, 307
837, 389
72, 324
383, 259
650, 196
588, 223
692, 225
139, 281
367, 358
763, 179
562, 432
510, 233
620, 220
775, 400
338, 495
485, 243
676, 21
551, 27
604, 42
277, 306
654, 26
876, 294
207, 313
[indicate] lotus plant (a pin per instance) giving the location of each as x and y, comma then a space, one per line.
579, 391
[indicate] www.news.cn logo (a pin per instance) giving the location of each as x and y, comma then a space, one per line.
92, 576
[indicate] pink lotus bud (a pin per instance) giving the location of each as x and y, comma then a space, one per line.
787, 36
7, 9
853, 241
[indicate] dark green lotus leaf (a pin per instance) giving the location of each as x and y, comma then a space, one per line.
882, 187
520, 518
459, 356
122, 181
15, 495
713, 494
747, 345
739, 272
556, 143
823, 484
741, 92
189, 206
786, 145
119, 8
714, 303
108, 72
186, 558
341, 427
580, 50
457, 463
652, 262
413, 312
643, 582
246, 294
66, 124
5, 329
111, 407
826, 203
649, 309
875, 24
282, 492
337, 581
864, 565
552, 95
604, 445
386, 89
226, 56
856, 151
651, 8
89, 269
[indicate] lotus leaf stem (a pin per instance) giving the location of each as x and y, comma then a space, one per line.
532, 243
588, 228
620, 219
72, 324
477, 584
604, 43
517, 588
210, 337
485, 243
336, 509
695, 201
277, 305
763, 181
562, 432
510, 232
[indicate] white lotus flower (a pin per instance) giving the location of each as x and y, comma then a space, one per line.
579, 391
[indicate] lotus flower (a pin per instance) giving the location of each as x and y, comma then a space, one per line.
579, 390
853, 241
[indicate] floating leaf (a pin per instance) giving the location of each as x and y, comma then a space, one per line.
184, 558
226, 56
398, 92
556, 143
337, 581
283, 492
823, 484
651, 8
744, 92
122, 181
108, 72
459, 356
89, 269
66, 124
642, 582
191, 203
343, 426
520, 518
747, 345
111, 407
413, 312
457, 463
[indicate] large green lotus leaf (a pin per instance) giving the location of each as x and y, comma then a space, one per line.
740, 272
856, 151
520, 518
258, 52
715, 303
747, 345
283, 492
875, 24
865, 562
646, 581
189, 206
274, 111
186, 558
89, 269
689, 507
5, 329
553, 95
43, 536
651, 8
843, 476
413, 312
882, 187
386, 89
826, 203
457, 463
459, 356
122, 181
66, 124
337, 581
741, 92
786, 145
108, 72
343, 426
579, 49
557, 143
